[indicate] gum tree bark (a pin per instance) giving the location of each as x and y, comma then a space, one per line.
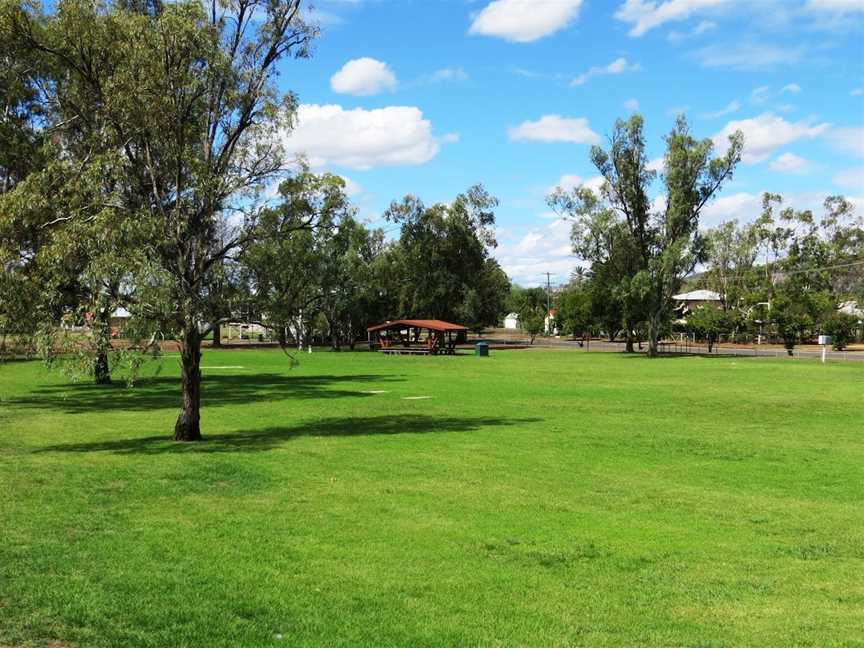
188, 426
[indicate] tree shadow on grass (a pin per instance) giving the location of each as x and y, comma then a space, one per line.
164, 392
273, 437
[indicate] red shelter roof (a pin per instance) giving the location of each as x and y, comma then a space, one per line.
430, 324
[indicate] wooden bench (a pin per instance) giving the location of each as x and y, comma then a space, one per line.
405, 351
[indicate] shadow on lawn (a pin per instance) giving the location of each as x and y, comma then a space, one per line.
273, 437
164, 392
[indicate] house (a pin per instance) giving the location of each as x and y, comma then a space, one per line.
851, 308
689, 301
512, 321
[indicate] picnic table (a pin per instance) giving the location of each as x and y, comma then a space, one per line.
415, 337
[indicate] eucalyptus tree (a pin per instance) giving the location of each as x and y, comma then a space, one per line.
601, 239
666, 242
289, 265
441, 252
183, 95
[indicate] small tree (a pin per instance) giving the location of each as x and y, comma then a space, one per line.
842, 328
532, 322
710, 323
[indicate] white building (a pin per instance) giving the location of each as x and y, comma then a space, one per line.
550, 324
689, 301
851, 308
512, 321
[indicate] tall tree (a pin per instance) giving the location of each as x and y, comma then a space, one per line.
184, 96
666, 239
441, 252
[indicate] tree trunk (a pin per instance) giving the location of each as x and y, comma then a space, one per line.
101, 371
188, 426
628, 347
654, 336
217, 335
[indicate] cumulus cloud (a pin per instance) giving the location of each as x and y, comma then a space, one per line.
790, 87
631, 105
362, 139
523, 21
788, 163
849, 139
527, 257
742, 206
766, 133
569, 181
555, 128
362, 77
851, 178
645, 15
747, 56
618, 66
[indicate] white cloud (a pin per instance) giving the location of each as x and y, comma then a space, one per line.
569, 181
645, 15
731, 107
790, 87
524, 21
701, 28
760, 95
852, 178
618, 66
631, 105
788, 163
747, 56
857, 92
835, 6
363, 76
448, 74
555, 128
657, 164
528, 257
362, 139
849, 139
742, 206
766, 133
352, 187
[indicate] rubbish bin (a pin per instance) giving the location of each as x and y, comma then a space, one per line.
481, 349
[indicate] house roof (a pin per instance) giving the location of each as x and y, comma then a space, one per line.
431, 324
698, 295
851, 308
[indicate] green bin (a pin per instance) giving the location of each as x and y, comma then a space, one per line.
481, 349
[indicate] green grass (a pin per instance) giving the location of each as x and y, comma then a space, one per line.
537, 498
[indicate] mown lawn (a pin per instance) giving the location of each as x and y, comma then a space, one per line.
535, 498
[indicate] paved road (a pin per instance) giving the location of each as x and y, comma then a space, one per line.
750, 352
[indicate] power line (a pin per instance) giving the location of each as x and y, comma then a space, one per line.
793, 272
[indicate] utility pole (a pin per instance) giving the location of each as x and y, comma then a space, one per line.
548, 295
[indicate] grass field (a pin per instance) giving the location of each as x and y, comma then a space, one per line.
535, 498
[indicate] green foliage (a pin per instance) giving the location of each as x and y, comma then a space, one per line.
441, 257
710, 323
533, 320
843, 329
643, 253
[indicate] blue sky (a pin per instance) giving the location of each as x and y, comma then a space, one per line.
431, 96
